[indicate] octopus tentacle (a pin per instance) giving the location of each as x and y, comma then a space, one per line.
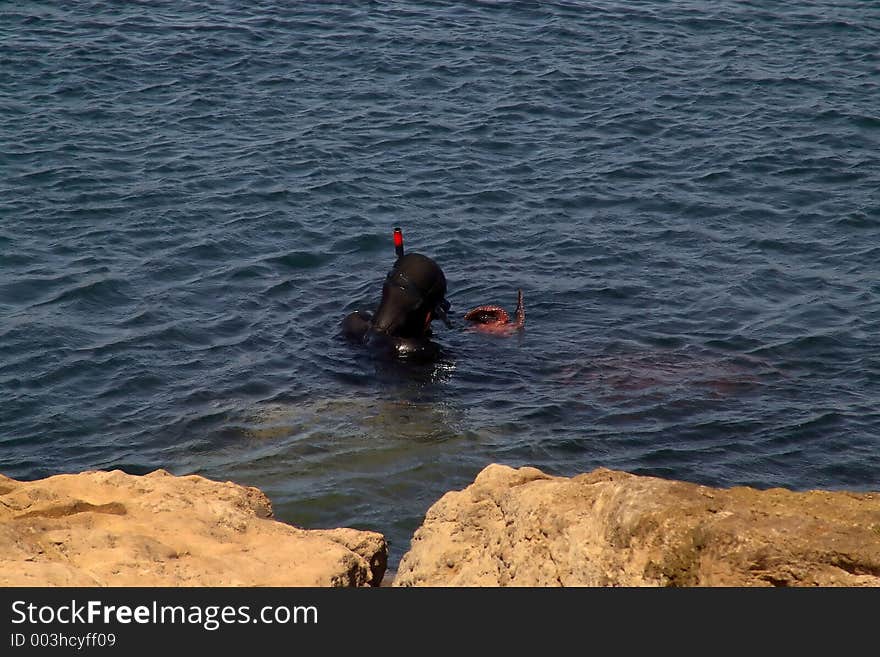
520, 311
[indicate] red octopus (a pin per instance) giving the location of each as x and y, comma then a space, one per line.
496, 320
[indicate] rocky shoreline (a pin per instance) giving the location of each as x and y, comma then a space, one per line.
510, 527
116, 529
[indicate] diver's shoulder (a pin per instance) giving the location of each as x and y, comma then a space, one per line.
355, 325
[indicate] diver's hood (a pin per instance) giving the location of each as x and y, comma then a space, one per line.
414, 293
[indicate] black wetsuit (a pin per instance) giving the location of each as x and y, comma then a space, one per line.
413, 295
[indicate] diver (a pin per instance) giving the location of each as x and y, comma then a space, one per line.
413, 295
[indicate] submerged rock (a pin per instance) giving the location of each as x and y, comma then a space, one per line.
115, 529
522, 527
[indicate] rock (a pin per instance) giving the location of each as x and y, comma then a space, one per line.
115, 529
521, 527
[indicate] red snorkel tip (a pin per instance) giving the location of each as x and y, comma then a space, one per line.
398, 241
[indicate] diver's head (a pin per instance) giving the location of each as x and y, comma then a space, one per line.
413, 295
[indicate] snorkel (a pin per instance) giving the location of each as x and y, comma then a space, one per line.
398, 242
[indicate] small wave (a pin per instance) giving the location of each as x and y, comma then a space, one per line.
859, 220
101, 293
300, 260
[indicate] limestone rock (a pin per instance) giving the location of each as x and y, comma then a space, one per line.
115, 529
521, 527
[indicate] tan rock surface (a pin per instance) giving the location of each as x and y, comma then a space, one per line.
115, 529
521, 527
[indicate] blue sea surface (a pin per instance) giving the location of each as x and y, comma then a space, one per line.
194, 194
